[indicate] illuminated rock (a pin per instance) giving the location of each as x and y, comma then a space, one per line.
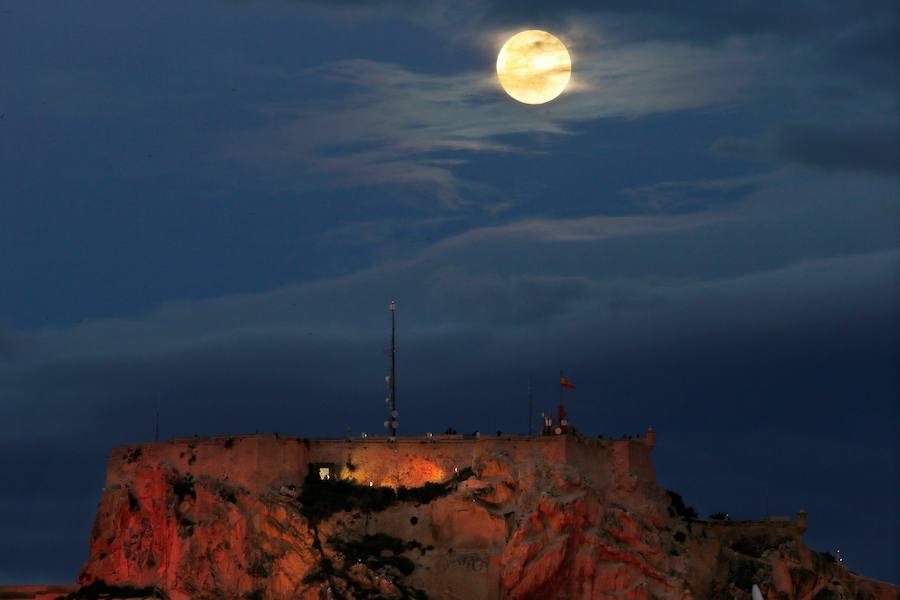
521, 518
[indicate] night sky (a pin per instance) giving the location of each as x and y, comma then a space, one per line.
206, 207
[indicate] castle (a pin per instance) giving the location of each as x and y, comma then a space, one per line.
446, 517
258, 462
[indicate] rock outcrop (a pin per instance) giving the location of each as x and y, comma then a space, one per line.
500, 527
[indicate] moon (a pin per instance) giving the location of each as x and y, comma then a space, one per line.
534, 66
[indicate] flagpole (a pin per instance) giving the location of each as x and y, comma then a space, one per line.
561, 388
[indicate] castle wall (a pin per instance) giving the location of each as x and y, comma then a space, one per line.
592, 458
259, 461
412, 462
640, 462
253, 462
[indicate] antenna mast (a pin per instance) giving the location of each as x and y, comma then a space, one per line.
392, 423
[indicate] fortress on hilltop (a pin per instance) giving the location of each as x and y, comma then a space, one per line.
257, 462
554, 516
450, 517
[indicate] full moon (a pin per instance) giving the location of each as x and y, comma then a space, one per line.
534, 66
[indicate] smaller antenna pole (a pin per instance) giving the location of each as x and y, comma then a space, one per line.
392, 422
156, 429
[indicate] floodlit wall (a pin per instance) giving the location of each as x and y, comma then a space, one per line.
258, 462
412, 462
254, 462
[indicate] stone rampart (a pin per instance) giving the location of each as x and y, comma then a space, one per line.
257, 462
253, 461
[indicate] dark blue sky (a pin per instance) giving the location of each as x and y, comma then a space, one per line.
207, 206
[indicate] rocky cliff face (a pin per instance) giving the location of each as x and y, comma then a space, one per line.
500, 529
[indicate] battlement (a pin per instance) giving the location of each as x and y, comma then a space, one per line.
257, 462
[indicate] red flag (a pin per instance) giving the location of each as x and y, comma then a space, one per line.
564, 382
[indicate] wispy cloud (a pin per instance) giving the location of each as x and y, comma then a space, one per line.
868, 149
8, 343
574, 255
397, 126
674, 195
180, 325
581, 229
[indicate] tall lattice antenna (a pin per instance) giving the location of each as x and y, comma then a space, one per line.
391, 379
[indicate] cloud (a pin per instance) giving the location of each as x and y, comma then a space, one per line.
858, 149
457, 323
863, 147
705, 21
678, 195
762, 292
643, 350
729, 146
395, 126
658, 316
343, 305
525, 271
702, 20
9, 343
632, 59
856, 38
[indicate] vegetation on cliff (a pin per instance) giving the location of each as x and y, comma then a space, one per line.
677, 507
379, 553
101, 590
321, 498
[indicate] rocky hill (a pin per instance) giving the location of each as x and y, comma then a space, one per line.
507, 525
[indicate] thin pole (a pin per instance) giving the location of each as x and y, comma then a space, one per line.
393, 388
559, 412
156, 429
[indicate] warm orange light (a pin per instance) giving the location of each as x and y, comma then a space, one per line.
415, 472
